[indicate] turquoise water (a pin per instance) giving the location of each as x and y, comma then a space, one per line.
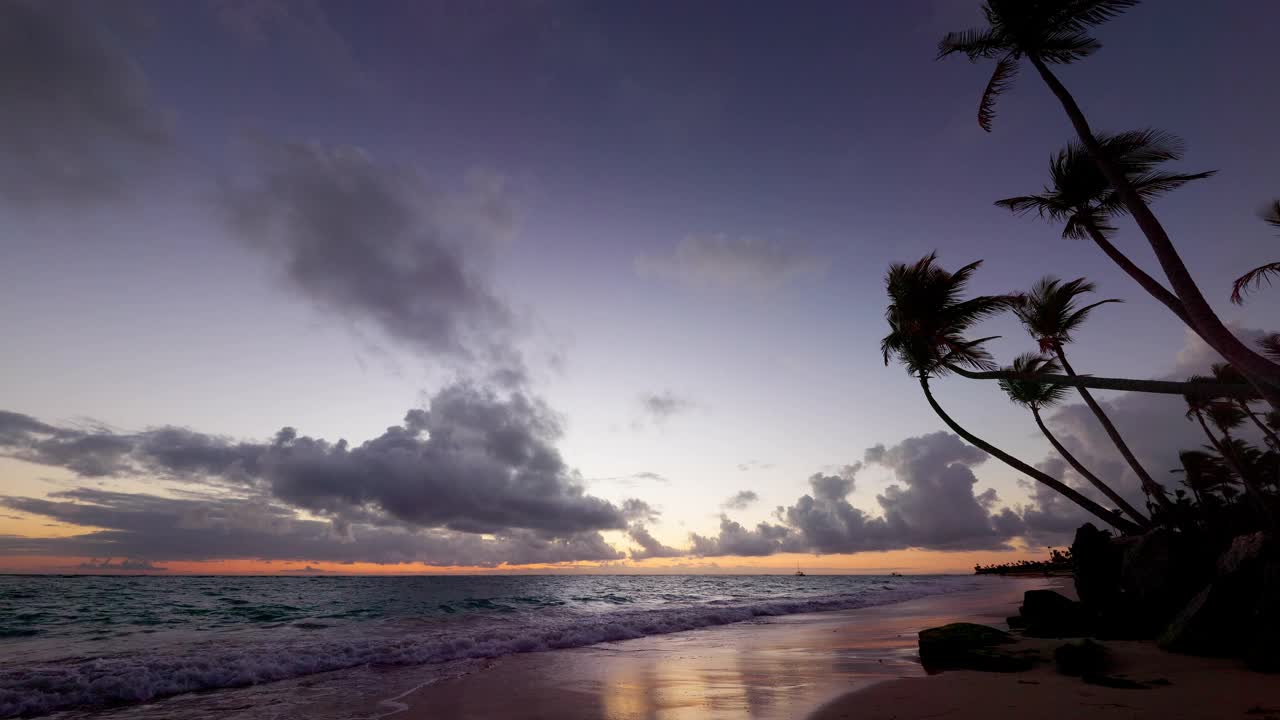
83, 642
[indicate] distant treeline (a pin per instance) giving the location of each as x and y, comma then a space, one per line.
1059, 562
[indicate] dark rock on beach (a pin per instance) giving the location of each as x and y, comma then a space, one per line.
967, 646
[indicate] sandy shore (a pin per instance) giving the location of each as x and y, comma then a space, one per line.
785, 667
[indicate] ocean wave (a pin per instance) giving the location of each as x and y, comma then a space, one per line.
124, 679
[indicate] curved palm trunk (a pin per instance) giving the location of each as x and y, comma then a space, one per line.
1079, 467
1111, 518
1159, 387
1202, 319
1151, 487
1227, 451
1266, 431
1148, 283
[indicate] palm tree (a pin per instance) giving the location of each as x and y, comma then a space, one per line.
1056, 32
1226, 417
1202, 472
1050, 314
1079, 196
927, 325
1270, 345
1036, 396
1225, 373
1254, 277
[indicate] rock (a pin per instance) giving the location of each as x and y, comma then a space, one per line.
966, 646
1159, 574
1262, 644
1051, 614
1016, 622
1244, 550
1209, 624
1082, 658
1095, 561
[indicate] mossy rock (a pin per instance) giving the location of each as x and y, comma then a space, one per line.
967, 646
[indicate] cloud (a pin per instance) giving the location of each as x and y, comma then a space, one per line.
78, 118
471, 461
754, 465
374, 243
933, 506
720, 261
135, 564
300, 26
662, 406
649, 545
741, 500
258, 527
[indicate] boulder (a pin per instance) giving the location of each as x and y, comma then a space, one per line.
1262, 642
1095, 561
1051, 614
1244, 551
1159, 573
966, 646
1197, 628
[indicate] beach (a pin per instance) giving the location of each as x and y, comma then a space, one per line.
858, 663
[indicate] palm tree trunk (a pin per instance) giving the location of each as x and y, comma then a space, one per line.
1113, 519
1148, 283
1227, 451
1094, 480
1202, 319
1152, 488
1160, 387
1266, 431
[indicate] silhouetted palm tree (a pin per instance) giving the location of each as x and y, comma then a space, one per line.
1056, 32
1036, 396
1079, 196
1050, 314
1227, 417
928, 320
1224, 373
1254, 277
1202, 472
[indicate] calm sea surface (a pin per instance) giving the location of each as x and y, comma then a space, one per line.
83, 642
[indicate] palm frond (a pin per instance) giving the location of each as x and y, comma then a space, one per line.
1270, 346
1253, 280
1076, 15
1062, 48
974, 43
1025, 390
1001, 80
1077, 318
1271, 215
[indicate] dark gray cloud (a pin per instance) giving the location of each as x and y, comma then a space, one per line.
649, 545
933, 506
661, 406
376, 244
159, 529
721, 261
78, 119
471, 461
741, 500
124, 564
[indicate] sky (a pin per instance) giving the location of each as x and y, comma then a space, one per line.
564, 286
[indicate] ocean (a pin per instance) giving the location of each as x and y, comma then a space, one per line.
85, 642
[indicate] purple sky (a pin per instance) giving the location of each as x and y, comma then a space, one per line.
672, 219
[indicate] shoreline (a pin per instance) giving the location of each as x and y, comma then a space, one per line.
781, 667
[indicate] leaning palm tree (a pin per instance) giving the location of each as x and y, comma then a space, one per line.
1255, 277
928, 320
1224, 373
1056, 32
1036, 396
1050, 314
1227, 417
1079, 196
1270, 345
1202, 472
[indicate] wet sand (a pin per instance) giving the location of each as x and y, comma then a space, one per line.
784, 667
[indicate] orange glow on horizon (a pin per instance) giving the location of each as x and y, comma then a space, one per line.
903, 561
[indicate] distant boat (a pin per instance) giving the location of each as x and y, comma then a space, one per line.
896, 574
799, 572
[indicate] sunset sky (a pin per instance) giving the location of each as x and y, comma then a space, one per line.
565, 286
